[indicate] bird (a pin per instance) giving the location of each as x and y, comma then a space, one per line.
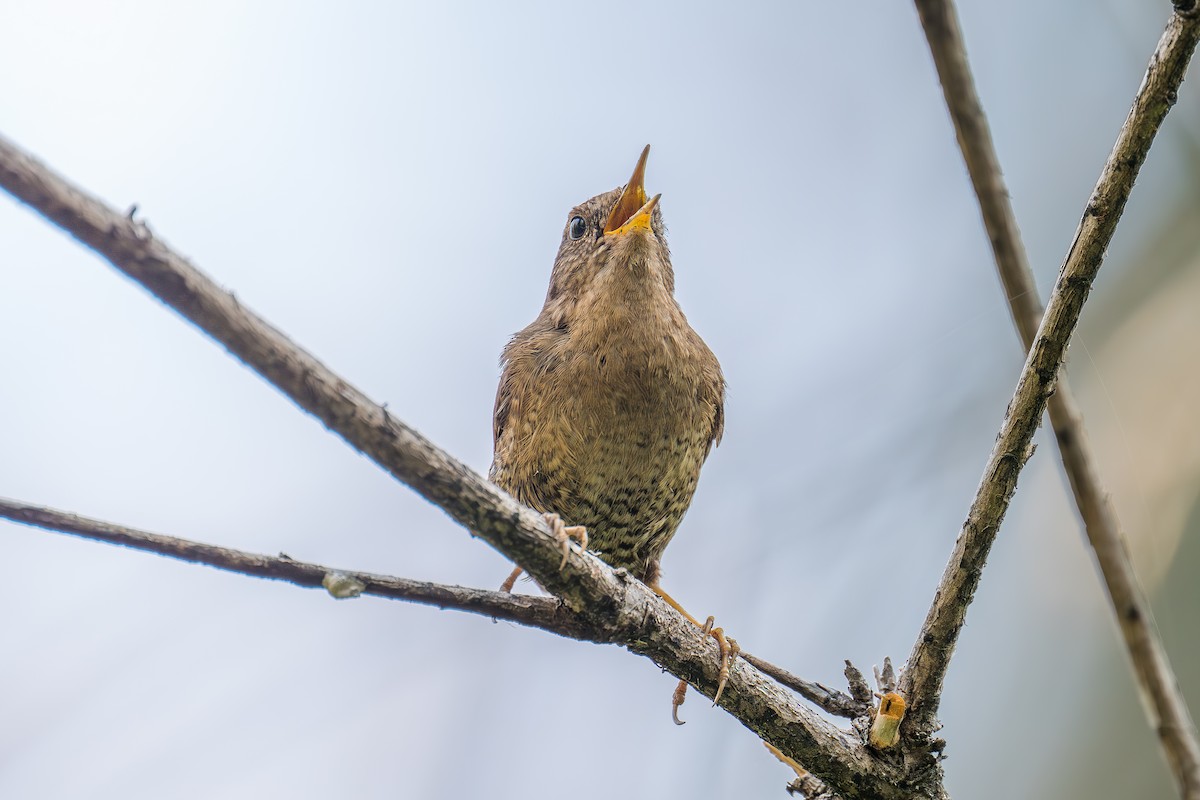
609, 402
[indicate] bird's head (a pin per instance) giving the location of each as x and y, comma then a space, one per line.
614, 249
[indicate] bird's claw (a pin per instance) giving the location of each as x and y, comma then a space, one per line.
564, 534
677, 700
729, 651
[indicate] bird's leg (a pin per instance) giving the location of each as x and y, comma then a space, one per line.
729, 650
564, 534
511, 580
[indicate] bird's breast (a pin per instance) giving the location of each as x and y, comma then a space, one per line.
632, 406
611, 421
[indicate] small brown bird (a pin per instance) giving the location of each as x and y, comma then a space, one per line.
609, 402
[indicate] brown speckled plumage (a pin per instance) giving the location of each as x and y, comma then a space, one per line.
609, 402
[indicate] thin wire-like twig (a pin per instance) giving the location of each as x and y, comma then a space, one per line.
922, 680
1167, 709
538, 612
625, 611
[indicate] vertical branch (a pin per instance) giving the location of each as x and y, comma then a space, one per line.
1167, 709
928, 661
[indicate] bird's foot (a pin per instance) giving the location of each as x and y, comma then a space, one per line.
677, 699
729, 651
564, 534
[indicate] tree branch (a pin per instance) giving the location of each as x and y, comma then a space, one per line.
925, 671
546, 613
621, 609
538, 612
1167, 710
830, 700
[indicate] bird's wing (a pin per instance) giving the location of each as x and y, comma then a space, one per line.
513, 361
718, 425
503, 406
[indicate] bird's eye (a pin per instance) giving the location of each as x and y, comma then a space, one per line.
578, 226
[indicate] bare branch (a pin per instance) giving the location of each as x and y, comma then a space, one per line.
538, 612
1167, 709
621, 609
831, 700
927, 663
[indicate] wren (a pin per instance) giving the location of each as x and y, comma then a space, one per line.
609, 402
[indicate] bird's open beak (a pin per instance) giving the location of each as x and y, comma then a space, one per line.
633, 210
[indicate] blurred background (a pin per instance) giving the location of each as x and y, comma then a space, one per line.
388, 183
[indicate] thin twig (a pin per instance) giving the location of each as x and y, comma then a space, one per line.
538, 612
1167, 709
926, 668
831, 700
623, 610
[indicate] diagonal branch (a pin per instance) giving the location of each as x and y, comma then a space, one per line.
1167, 708
926, 668
622, 609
